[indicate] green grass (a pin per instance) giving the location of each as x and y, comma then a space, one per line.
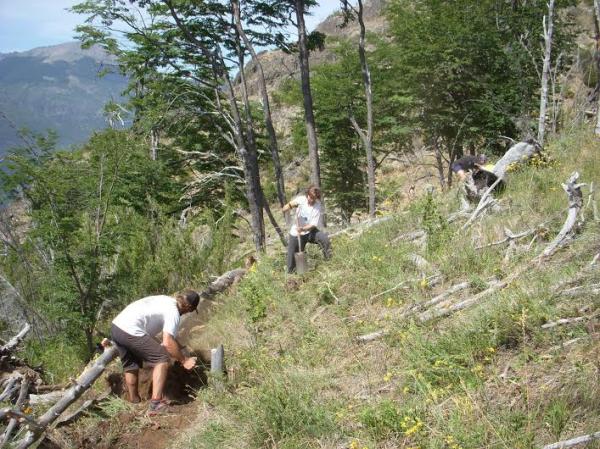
488, 376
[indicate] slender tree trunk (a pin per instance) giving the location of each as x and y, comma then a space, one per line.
266, 106
548, 29
597, 24
439, 163
311, 134
366, 73
154, 144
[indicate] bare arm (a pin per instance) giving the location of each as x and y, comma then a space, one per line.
174, 350
289, 205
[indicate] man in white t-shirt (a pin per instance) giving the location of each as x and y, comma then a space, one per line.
307, 221
134, 331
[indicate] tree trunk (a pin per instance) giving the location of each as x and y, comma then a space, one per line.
154, 144
311, 134
251, 171
266, 106
597, 23
366, 73
548, 29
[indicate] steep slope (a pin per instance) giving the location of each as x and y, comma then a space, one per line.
57, 88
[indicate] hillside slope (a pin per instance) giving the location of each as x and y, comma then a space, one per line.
58, 88
488, 376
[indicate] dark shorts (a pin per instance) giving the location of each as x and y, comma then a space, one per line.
136, 350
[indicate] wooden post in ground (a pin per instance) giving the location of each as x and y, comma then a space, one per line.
217, 355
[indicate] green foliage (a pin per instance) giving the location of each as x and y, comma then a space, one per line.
291, 412
382, 420
473, 78
432, 221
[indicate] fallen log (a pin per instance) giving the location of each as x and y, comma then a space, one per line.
14, 342
573, 441
564, 321
515, 154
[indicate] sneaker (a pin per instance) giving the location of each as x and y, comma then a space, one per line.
157, 407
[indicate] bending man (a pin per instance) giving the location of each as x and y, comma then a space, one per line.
133, 331
307, 220
467, 164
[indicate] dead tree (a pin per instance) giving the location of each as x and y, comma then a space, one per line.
548, 26
366, 138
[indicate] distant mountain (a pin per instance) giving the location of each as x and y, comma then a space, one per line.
58, 87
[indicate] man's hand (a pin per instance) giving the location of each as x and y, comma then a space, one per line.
189, 363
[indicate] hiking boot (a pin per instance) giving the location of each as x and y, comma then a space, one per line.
157, 407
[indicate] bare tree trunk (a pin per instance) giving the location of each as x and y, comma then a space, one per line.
548, 30
266, 106
368, 142
154, 139
597, 24
439, 161
311, 133
249, 157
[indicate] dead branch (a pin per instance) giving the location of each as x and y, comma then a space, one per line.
564, 321
372, 336
593, 289
87, 405
22, 399
575, 197
486, 201
395, 287
46, 398
509, 236
409, 237
14, 342
81, 385
573, 441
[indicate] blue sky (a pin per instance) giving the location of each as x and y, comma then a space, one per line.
27, 24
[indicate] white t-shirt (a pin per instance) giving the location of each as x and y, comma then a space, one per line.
150, 316
306, 215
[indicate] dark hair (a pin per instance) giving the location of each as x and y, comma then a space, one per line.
188, 299
314, 192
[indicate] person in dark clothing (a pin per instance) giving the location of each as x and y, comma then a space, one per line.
308, 218
468, 163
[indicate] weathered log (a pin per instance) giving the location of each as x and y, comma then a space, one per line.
564, 321
217, 356
46, 398
14, 342
81, 385
372, 336
222, 282
21, 400
575, 198
515, 154
573, 441
90, 403
12, 385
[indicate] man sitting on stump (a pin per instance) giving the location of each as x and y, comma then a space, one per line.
307, 221
134, 331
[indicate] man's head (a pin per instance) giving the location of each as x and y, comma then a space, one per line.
187, 301
313, 194
482, 159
